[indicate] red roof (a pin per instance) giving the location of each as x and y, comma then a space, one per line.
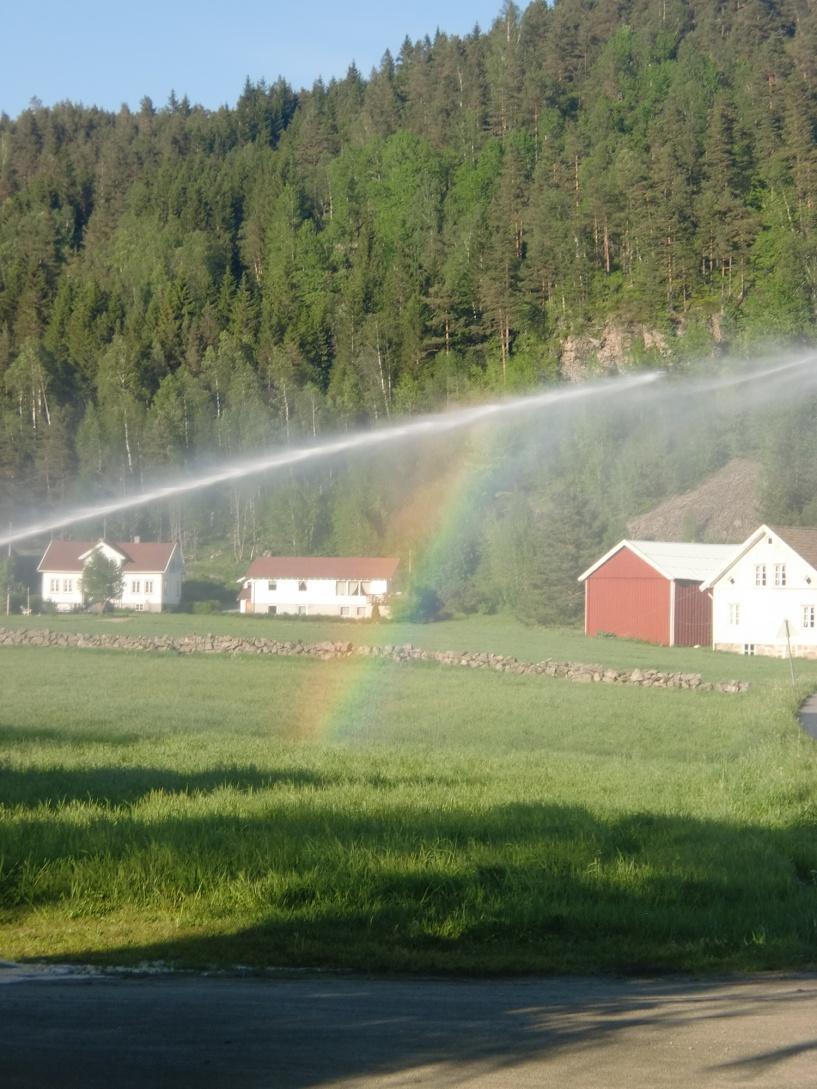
802, 539
323, 567
143, 557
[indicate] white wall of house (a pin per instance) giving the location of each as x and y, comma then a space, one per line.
63, 589
143, 592
769, 585
351, 599
172, 582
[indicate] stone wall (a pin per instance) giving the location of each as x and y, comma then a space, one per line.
578, 672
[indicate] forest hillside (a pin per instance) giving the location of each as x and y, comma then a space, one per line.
582, 186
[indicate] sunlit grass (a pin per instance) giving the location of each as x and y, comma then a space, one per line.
369, 815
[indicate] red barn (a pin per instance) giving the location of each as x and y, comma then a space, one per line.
651, 590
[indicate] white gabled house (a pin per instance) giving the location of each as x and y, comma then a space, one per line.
152, 573
344, 586
765, 598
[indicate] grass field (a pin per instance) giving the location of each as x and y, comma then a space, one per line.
368, 815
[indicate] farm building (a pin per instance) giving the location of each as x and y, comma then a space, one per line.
651, 590
152, 573
765, 596
345, 586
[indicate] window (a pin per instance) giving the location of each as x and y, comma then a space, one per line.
734, 613
67, 585
345, 610
55, 586
355, 589
148, 586
780, 574
760, 574
361, 611
272, 584
272, 610
341, 589
301, 586
809, 616
302, 610
748, 648
140, 608
136, 586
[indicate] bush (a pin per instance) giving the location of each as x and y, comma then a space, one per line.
203, 608
419, 606
214, 595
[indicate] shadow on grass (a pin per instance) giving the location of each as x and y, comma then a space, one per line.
125, 786
401, 885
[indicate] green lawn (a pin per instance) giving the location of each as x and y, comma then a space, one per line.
367, 815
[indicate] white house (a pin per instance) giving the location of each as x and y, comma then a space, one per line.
152, 573
765, 598
346, 586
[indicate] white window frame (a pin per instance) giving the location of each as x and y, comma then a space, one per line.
148, 586
780, 574
302, 610
272, 585
760, 574
302, 586
136, 586
67, 586
55, 586
734, 612
809, 616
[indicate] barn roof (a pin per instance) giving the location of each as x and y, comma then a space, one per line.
673, 559
803, 540
140, 557
323, 567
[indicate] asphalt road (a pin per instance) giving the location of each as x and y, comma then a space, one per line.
808, 716
117, 1033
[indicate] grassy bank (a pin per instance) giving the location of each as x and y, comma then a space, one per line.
368, 815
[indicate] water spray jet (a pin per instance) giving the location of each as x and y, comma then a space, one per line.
456, 419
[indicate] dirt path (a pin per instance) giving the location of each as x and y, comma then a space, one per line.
94, 1032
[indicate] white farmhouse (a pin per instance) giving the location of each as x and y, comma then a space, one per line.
152, 573
346, 586
765, 598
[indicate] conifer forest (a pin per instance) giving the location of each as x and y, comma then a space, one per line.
476, 217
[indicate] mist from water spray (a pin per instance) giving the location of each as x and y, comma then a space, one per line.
443, 423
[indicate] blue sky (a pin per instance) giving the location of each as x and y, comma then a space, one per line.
105, 54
